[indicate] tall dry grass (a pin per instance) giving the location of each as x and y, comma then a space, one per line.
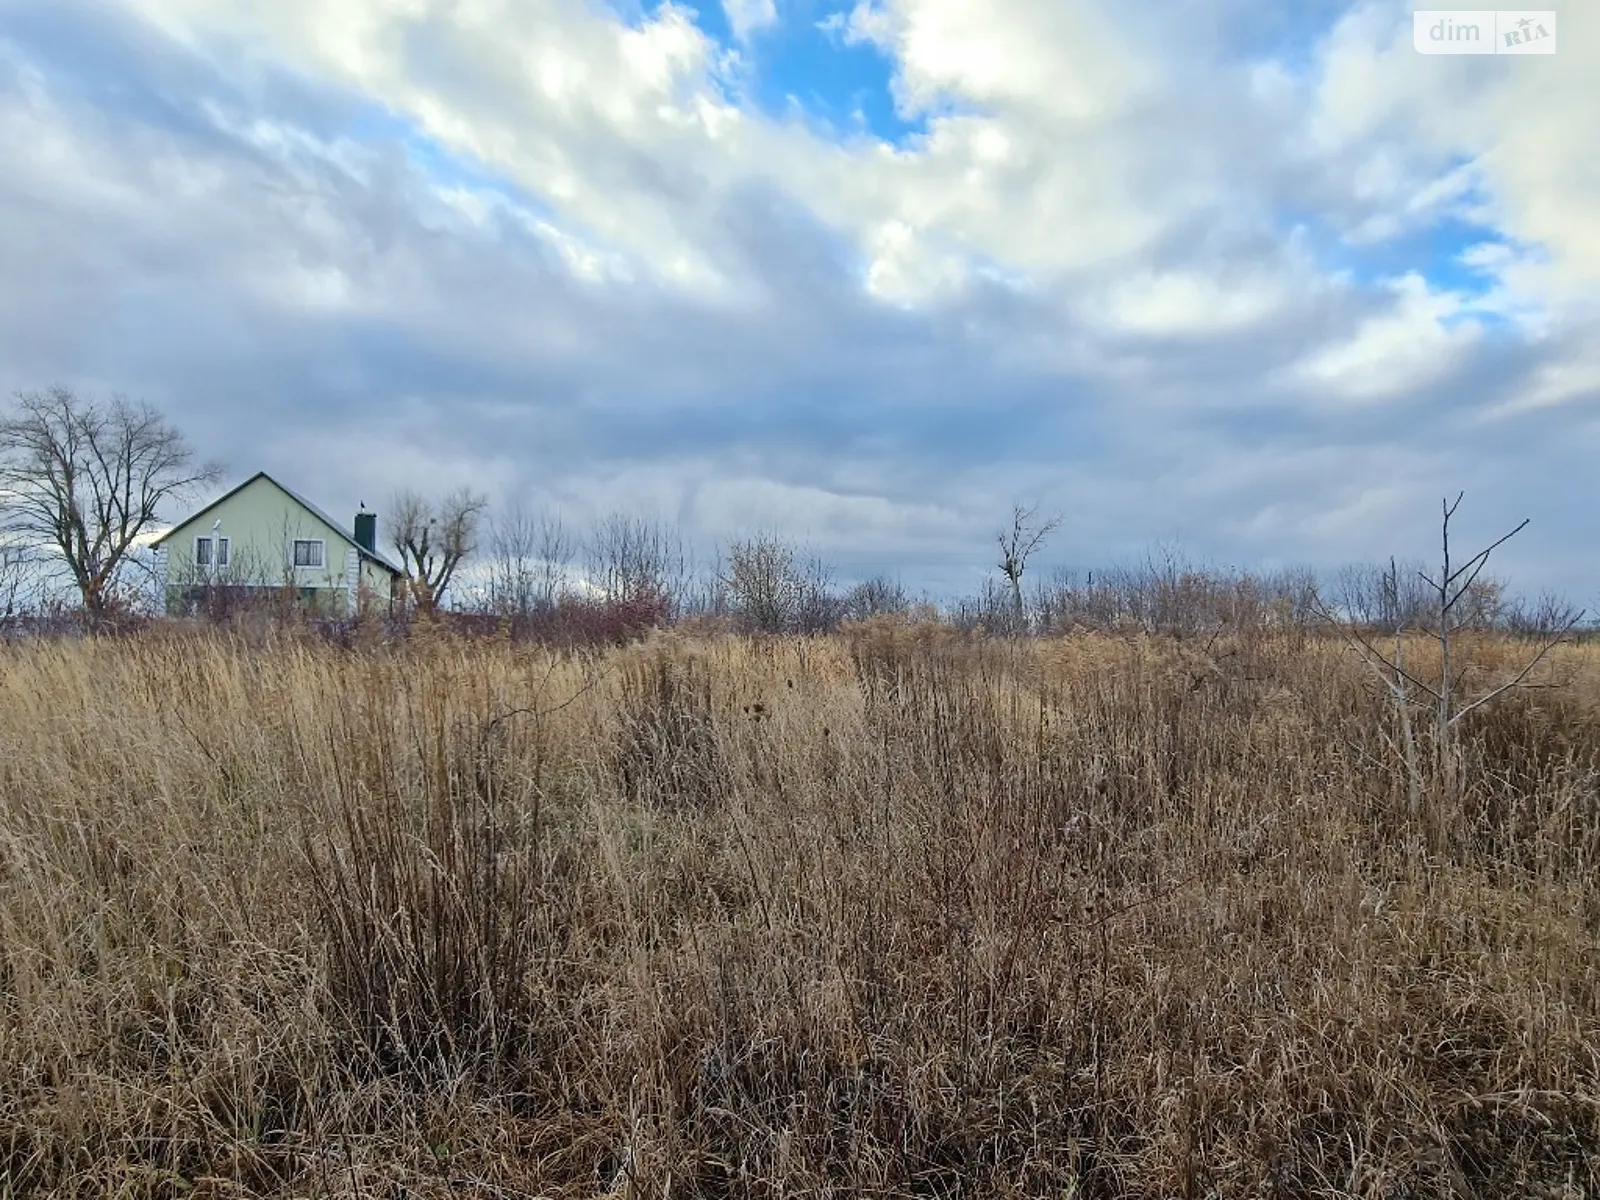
896, 913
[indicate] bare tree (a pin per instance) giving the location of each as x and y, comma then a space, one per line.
530, 556
1292, 597
775, 591
216, 589
433, 539
991, 609
1456, 606
874, 597
821, 608
764, 583
87, 478
1545, 615
632, 558
1017, 545
14, 563
706, 592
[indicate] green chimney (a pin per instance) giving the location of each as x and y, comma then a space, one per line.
367, 531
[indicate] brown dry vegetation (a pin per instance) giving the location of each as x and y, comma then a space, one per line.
894, 913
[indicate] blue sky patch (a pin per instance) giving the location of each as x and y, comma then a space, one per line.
796, 68
847, 87
1287, 34
1433, 251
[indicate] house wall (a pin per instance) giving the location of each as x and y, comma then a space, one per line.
261, 523
349, 597
376, 585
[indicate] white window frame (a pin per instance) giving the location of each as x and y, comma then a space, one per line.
322, 554
216, 549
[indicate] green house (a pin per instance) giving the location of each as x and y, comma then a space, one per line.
262, 539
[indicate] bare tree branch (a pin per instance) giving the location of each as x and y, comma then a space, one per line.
88, 478
1523, 674
1017, 545
433, 539
1371, 655
1482, 557
632, 558
1448, 592
530, 555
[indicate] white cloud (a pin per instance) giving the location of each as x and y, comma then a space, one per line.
1191, 303
1069, 150
1045, 179
1409, 120
1574, 377
1066, 60
1398, 351
734, 506
747, 17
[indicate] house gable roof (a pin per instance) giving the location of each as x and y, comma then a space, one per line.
311, 508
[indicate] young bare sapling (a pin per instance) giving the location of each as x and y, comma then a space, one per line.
1454, 604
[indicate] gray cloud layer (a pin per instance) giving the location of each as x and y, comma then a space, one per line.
222, 233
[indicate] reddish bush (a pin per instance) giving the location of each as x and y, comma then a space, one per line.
599, 622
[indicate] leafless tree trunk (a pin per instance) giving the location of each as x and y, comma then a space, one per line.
86, 478
1017, 545
433, 539
1456, 604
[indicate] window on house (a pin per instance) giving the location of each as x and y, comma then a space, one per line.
203, 548
307, 553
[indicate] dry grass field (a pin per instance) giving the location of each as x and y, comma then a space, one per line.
891, 913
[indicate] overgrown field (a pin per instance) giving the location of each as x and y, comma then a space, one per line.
893, 913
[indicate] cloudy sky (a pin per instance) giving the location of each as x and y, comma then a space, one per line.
1247, 277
